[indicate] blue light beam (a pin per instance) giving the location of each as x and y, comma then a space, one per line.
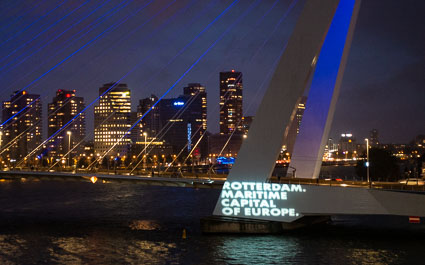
190, 68
132, 70
50, 41
16, 114
74, 38
46, 29
82, 47
35, 21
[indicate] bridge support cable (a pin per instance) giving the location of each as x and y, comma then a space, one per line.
181, 77
34, 22
164, 24
20, 111
260, 88
184, 147
324, 91
19, 11
164, 130
30, 128
158, 135
40, 47
256, 158
158, 73
158, 13
152, 78
276, 27
257, 23
133, 31
84, 46
270, 72
82, 140
43, 31
179, 113
120, 5
135, 67
75, 37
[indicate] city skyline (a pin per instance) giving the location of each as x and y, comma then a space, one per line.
398, 116
163, 131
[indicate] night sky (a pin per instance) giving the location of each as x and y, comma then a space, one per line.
383, 86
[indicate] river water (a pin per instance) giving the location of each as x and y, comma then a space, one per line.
50, 222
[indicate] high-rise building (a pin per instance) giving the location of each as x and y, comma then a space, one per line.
183, 121
347, 146
246, 123
151, 122
21, 133
64, 106
374, 141
198, 91
112, 119
179, 122
231, 102
294, 127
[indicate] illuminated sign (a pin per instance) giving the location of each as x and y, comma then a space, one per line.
225, 160
178, 103
258, 199
189, 137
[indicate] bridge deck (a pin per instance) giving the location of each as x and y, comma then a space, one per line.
215, 181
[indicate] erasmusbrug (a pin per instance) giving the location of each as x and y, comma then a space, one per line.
314, 61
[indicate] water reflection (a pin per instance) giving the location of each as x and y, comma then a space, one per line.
146, 225
85, 223
258, 250
378, 257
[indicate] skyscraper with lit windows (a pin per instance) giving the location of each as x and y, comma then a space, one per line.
112, 119
22, 125
231, 102
294, 126
64, 106
198, 90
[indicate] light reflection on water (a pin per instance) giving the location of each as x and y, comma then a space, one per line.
80, 223
258, 250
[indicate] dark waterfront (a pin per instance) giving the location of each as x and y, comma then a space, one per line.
80, 223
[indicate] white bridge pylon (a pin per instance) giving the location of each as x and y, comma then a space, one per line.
317, 51
318, 47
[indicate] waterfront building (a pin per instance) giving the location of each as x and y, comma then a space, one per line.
246, 123
294, 127
221, 145
178, 122
183, 121
197, 90
231, 102
373, 141
22, 125
65, 106
151, 122
112, 119
347, 147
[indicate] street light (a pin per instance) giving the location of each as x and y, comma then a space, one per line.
367, 159
69, 146
144, 160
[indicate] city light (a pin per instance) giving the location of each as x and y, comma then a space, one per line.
178, 103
